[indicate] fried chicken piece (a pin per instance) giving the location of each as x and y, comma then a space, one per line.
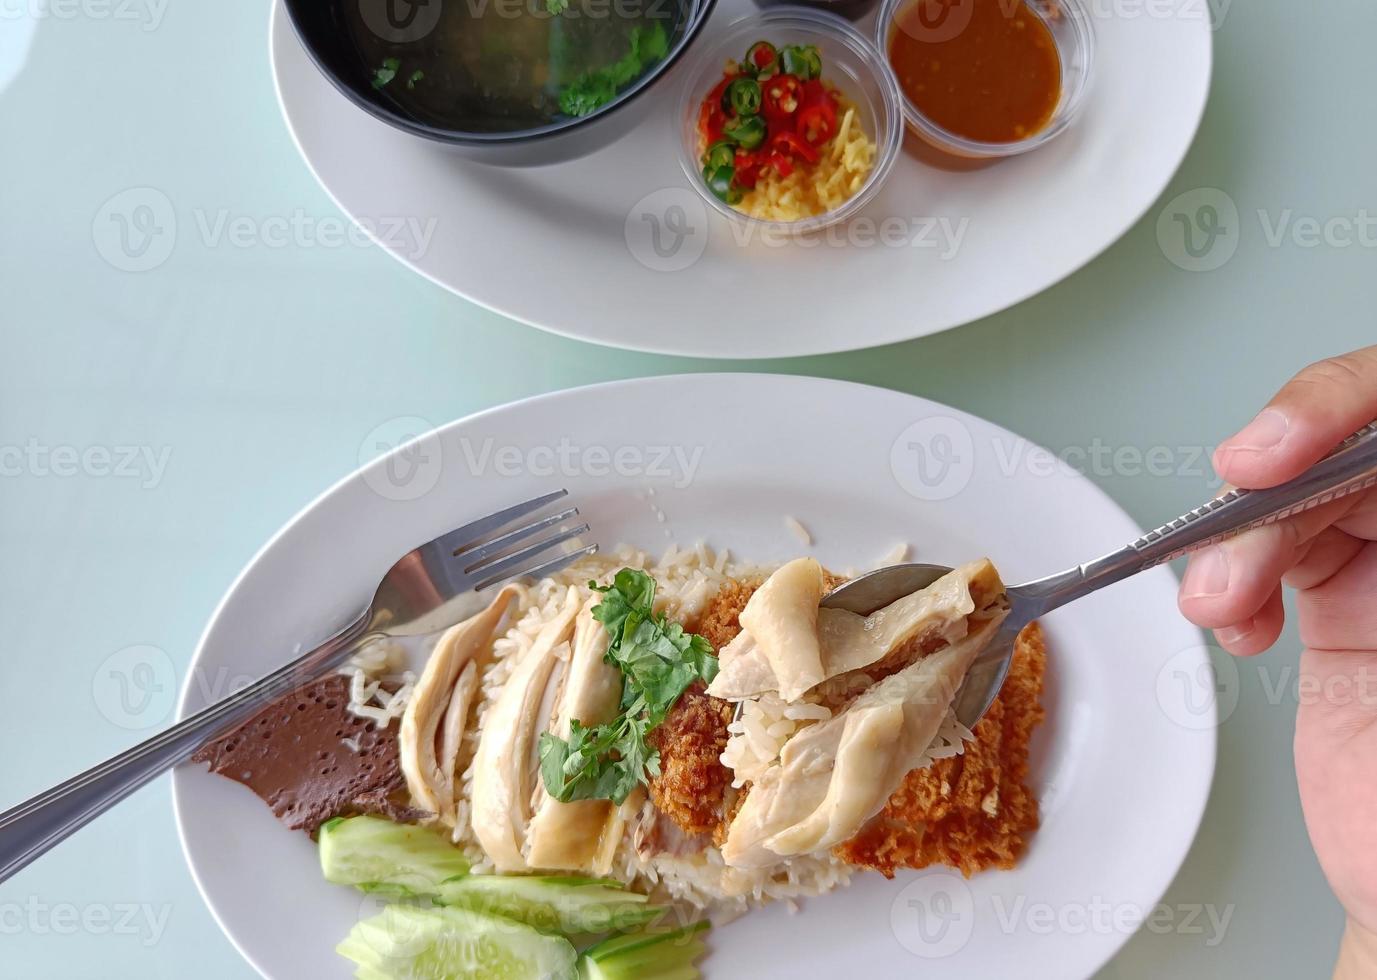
974, 811
692, 784
692, 788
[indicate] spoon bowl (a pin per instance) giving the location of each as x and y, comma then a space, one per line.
866, 593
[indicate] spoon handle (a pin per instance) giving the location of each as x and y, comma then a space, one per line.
1351, 468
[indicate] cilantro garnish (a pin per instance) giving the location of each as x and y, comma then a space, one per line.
658, 661
595, 88
385, 74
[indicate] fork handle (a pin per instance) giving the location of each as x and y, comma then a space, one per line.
1350, 469
31, 828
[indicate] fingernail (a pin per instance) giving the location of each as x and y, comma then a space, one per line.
1261, 434
1233, 634
1207, 575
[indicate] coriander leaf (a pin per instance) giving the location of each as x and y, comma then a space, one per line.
596, 87
415, 77
385, 74
658, 660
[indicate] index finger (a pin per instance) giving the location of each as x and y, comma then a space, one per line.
1316, 410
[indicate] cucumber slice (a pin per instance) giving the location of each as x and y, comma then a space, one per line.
552, 904
374, 854
646, 955
405, 942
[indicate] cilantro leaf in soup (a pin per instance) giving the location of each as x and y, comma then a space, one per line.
383, 75
595, 88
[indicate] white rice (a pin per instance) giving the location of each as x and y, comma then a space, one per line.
372, 671
797, 529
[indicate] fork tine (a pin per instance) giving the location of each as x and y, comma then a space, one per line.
475, 531
543, 569
503, 566
496, 545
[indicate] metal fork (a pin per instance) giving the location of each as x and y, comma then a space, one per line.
421, 593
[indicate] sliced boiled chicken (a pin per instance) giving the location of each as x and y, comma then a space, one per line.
846, 641
782, 621
433, 723
580, 835
834, 776
504, 768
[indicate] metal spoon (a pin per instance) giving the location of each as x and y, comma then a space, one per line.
1349, 469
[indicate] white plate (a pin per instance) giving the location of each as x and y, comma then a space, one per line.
1122, 784
569, 248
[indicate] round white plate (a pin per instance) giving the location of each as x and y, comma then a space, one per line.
618, 249
1122, 766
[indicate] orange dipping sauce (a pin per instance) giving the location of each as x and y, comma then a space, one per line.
985, 70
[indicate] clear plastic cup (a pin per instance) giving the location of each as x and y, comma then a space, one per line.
849, 62
1074, 35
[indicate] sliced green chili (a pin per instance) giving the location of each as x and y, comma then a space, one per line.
719, 181
742, 97
803, 60
762, 59
720, 154
748, 131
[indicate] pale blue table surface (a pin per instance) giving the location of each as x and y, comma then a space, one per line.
250, 377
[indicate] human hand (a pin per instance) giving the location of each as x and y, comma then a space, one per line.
1329, 556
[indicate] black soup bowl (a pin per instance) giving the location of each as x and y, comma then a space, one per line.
506, 82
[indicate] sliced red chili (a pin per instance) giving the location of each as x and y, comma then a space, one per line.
711, 118
748, 164
782, 94
781, 163
817, 122
790, 142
